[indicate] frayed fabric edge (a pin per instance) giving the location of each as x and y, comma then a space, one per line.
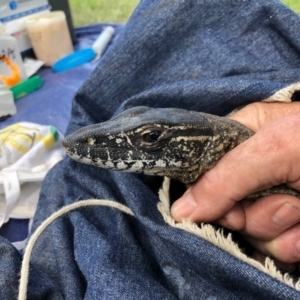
285, 94
217, 238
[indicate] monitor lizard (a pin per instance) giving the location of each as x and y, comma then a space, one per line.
177, 143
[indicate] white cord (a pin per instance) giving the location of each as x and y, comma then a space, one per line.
26, 259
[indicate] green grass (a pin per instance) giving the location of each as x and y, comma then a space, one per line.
86, 12
293, 4
100, 11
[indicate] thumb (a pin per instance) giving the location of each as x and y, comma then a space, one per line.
268, 158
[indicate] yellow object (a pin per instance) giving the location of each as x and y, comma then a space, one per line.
50, 139
19, 137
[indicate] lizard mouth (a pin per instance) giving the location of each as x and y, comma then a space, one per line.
88, 154
84, 153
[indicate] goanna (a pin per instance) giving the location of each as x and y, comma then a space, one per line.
172, 142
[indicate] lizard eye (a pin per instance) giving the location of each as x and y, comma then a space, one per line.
152, 137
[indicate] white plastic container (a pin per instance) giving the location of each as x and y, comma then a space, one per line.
103, 40
49, 36
7, 104
14, 12
12, 57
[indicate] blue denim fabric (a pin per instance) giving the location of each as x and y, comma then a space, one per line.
203, 55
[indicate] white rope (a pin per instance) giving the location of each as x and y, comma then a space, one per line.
84, 203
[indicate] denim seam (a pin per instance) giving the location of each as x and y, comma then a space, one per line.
217, 238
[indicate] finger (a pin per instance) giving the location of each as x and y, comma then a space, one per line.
235, 219
258, 114
285, 248
270, 216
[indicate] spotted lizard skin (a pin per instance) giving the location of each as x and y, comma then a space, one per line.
172, 142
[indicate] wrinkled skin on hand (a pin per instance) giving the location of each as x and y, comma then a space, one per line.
270, 157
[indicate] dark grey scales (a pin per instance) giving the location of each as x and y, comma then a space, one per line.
172, 142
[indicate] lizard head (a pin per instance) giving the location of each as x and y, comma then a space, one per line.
165, 141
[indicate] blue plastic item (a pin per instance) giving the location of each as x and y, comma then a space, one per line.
74, 60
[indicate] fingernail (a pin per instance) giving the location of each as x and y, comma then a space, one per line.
287, 215
223, 222
184, 206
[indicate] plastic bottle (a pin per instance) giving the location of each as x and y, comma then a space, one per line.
12, 70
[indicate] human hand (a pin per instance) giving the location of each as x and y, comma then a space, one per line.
271, 157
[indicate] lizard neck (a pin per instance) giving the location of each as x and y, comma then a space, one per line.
227, 134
